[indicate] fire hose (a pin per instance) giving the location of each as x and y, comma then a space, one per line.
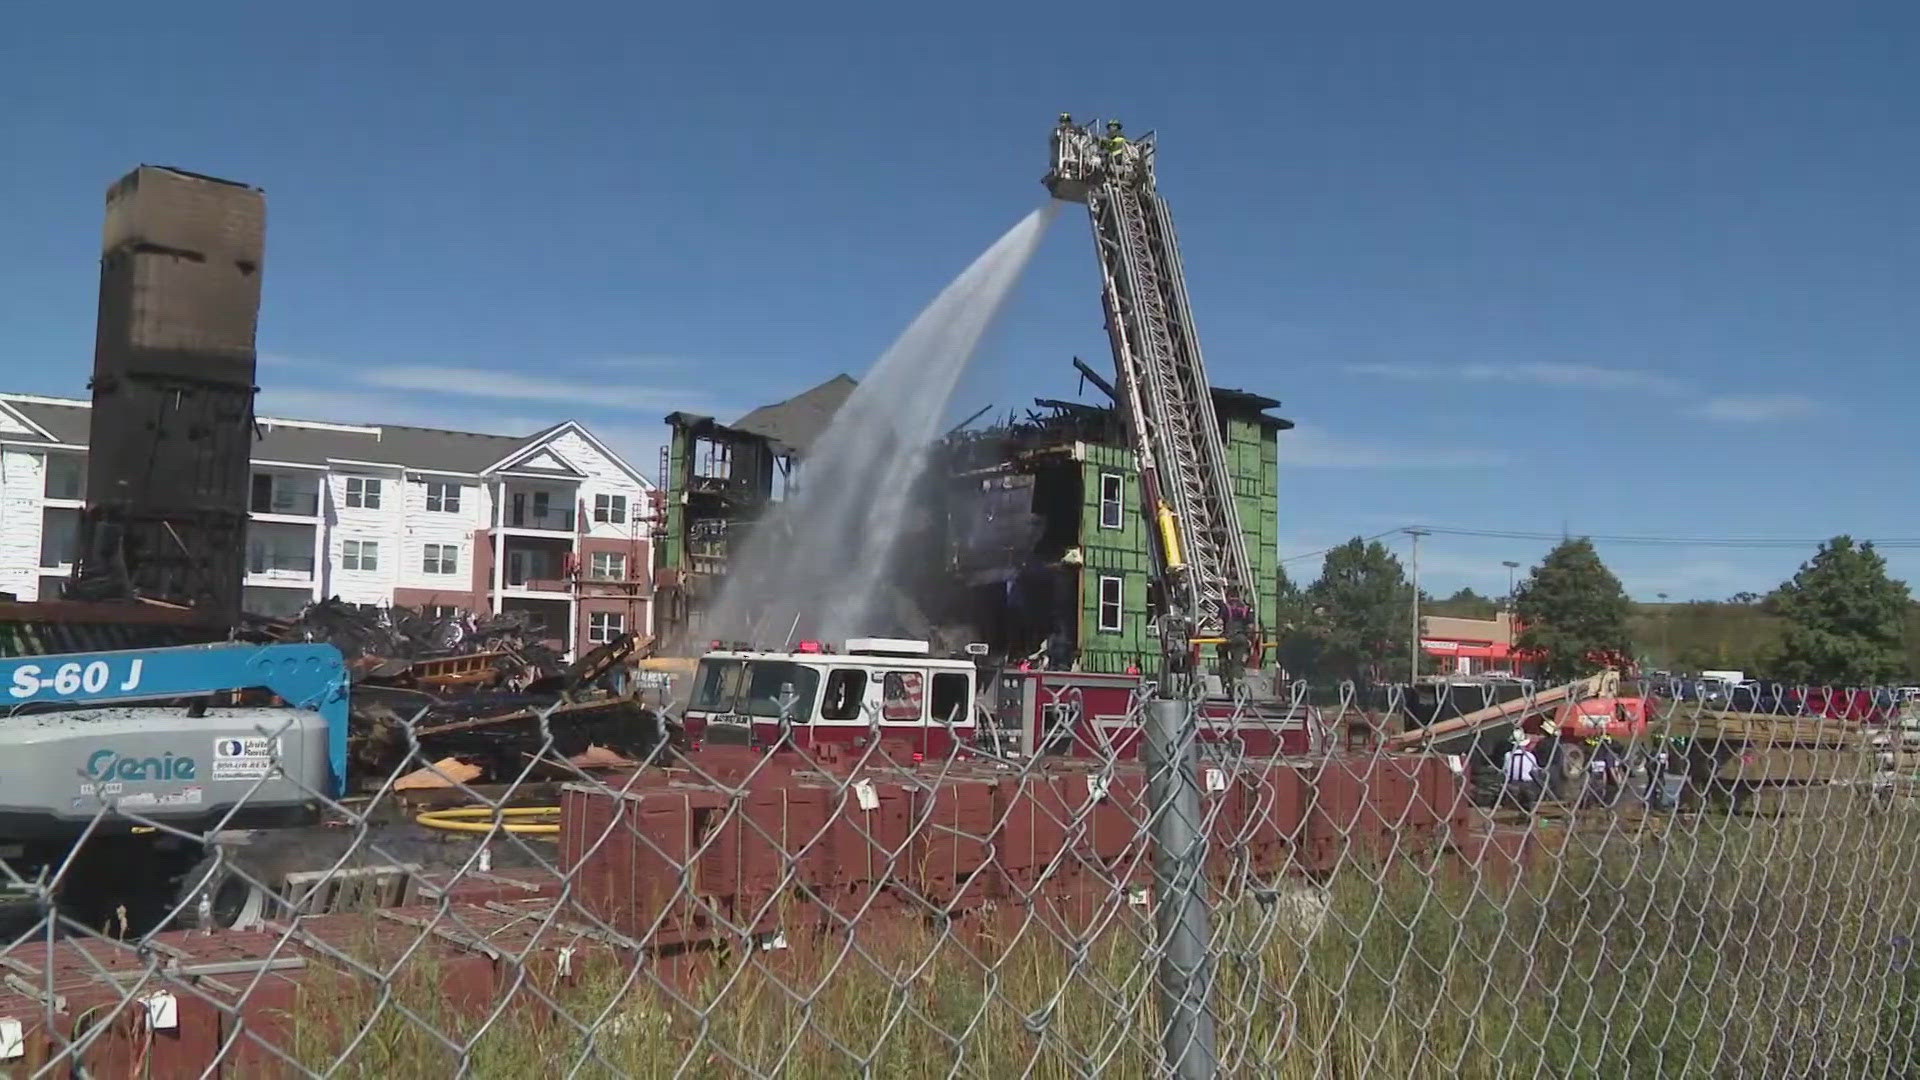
485, 819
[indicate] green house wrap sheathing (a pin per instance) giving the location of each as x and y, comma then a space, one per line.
1253, 463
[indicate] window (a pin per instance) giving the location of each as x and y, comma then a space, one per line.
1112, 501
608, 566
542, 501
756, 689
442, 611
604, 626
846, 693
950, 700
66, 476
443, 498
900, 696
440, 559
363, 492
359, 555
1110, 610
611, 509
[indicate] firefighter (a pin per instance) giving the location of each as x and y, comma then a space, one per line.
1237, 649
1115, 145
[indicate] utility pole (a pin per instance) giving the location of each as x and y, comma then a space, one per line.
1413, 659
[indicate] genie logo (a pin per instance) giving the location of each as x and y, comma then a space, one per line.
109, 765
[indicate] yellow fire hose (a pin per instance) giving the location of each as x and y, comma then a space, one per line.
481, 819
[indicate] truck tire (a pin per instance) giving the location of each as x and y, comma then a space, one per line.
214, 895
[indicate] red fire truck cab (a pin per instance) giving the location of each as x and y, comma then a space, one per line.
878, 688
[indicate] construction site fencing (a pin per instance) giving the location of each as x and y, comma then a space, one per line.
1700, 893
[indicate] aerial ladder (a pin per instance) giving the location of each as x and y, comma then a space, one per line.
1204, 580
1207, 592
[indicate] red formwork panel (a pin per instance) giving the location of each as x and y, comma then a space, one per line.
1036, 812
1120, 817
628, 853
1498, 856
872, 843
952, 849
1274, 800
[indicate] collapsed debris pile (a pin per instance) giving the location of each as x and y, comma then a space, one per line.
470, 694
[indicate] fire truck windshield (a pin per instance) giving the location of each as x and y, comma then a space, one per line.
754, 687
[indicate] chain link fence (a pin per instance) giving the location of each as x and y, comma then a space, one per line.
1060, 889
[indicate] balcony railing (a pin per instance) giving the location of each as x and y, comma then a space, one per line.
553, 520
275, 564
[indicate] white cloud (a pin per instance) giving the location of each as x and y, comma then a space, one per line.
513, 386
1758, 408
1308, 447
1521, 374
351, 407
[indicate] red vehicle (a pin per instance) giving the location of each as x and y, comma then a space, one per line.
882, 688
1088, 714
1621, 718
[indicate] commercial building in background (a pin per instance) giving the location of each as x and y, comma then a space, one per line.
554, 524
1469, 646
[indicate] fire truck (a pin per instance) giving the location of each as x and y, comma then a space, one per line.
894, 691
888, 690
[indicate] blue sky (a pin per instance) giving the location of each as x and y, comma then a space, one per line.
1647, 280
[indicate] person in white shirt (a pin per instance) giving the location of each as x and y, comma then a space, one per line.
1521, 771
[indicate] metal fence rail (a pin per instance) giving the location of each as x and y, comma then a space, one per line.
1708, 895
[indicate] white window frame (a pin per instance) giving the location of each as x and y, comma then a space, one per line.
614, 568
610, 509
363, 492
611, 625
443, 611
440, 559
443, 497
360, 555
1118, 602
1117, 504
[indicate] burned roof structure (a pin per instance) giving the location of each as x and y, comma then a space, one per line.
719, 479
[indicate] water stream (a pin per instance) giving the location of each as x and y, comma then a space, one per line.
816, 565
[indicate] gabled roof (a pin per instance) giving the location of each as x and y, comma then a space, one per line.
799, 420
304, 442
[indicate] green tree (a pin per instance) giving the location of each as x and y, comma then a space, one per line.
1844, 617
1464, 604
1356, 615
1574, 613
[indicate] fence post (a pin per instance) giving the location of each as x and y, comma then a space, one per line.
1179, 888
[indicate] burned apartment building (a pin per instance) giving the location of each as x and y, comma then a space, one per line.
1033, 523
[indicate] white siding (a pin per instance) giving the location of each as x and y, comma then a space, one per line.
421, 526
11, 425
604, 477
22, 487
381, 526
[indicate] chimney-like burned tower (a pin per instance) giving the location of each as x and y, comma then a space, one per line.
173, 371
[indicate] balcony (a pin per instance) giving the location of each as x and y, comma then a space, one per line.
536, 565
535, 508
280, 552
285, 495
59, 538
279, 566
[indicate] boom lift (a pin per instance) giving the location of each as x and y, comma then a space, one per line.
115, 774
1205, 583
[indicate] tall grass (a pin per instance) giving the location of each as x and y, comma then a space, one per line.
1717, 947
